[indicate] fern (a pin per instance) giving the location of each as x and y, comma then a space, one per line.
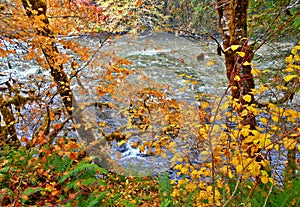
166, 203
127, 203
87, 168
80, 201
165, 187
89, 181
5, 169
72, 185
30, 191
290, 196
61, 164
94, 201
101, 183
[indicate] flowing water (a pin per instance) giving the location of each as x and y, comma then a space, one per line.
165, 63
171, 67
168, 63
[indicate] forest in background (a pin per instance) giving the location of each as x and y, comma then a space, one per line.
50, 153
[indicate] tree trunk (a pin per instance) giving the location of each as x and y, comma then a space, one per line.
233, 27
8, 133
37, 10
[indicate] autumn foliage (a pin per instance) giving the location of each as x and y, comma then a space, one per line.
239, 149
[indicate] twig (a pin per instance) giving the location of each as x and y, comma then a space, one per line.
234, 191
269, 193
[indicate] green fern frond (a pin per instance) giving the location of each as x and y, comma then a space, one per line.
72, 185
90, 169
61, 164
30, 191
101, 183
5, 169
165, 187
88, 181
95, 201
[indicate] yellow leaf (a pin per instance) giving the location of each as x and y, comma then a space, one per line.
234, 47
244, 113
264, 121
272, 181
210, 63
275, 118
142, 148
255, 71
289, 69
184, 170
178, 166
35, 12
246, 63
255, 133
247, 98
254, 168
205, 104
289, 59
230, 175
242, 54
264, 163
175, 193
295, 49
272, 106
264, 179
289, 144
239, 169
121, 143
289, 77
237, 78
191, 187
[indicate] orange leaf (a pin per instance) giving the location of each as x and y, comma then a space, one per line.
73, 156
24, 139
138, 3
56, 126
25, 197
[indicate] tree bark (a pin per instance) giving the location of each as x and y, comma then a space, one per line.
233, 27
8, 133
37, 10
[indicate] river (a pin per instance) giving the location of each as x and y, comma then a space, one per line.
177, 72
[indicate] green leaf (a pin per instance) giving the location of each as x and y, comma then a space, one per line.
165, 203
91, 169
30, 191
